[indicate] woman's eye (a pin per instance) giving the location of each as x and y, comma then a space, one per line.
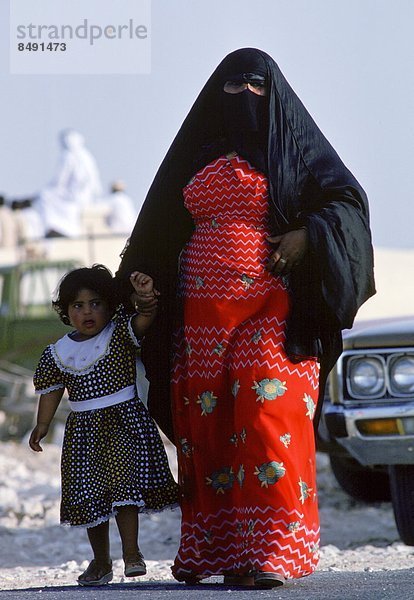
257, 87
233, 87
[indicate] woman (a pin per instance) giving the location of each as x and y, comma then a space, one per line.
272, 235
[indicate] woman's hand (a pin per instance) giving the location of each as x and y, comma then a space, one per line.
38, 433
289, 252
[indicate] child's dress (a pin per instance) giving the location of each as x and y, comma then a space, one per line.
112, 453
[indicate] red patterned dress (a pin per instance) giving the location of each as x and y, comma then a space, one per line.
243, 411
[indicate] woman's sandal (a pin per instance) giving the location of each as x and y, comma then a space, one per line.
96, 574
188, 578
266, 579
235, 580
192, 580
135, 566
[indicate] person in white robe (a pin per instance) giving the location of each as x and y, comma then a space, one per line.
76, 185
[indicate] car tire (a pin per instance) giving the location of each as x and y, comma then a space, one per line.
402, 493
362, 483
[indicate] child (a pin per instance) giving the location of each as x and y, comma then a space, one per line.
113, 459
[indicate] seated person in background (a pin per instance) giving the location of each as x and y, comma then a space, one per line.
8, 227
29, 226
122, 213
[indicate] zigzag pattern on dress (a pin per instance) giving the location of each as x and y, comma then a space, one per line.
247, 511
257, 539
218, 270
228, 252
207, 352
233, 290
222, 247
240, 201
222, 179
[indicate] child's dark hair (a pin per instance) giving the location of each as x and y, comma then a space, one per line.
96, 278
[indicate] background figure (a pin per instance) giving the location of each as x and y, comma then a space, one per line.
8, 226
28, 221
77, 184
121, 210
258, 239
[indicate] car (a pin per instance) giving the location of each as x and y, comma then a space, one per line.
27, 325
27, 321
367, 422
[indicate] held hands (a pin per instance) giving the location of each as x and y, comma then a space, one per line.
38, 433
289, 252
145, 298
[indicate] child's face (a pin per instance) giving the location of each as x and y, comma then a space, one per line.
88, 314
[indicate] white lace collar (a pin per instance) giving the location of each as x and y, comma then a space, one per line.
80, 357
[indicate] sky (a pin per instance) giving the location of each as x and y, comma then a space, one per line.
350, 62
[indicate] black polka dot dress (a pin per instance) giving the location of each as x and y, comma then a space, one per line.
112, 453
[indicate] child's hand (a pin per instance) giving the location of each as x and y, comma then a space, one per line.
142, 284
37, 434
145, 298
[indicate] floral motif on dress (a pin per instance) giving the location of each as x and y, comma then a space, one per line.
208, 536
235, 437
246, 281
305, 490
314, 548
310, 405
219, 349
269, 389
199, 282
286, 438
221, 480
235, 388
257, 336
293, 526
185, 447
208, 402
241, 475
250, 527
269, 473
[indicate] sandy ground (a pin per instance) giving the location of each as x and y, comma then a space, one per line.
36, 551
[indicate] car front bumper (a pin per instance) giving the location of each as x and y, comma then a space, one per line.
348, 426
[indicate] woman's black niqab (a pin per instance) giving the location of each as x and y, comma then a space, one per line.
309, 186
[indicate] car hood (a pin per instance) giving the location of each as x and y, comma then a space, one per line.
376, 333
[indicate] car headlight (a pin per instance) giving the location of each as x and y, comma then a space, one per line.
366, 377
401, 371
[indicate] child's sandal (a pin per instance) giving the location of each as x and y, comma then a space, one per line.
96, 574
135, 566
